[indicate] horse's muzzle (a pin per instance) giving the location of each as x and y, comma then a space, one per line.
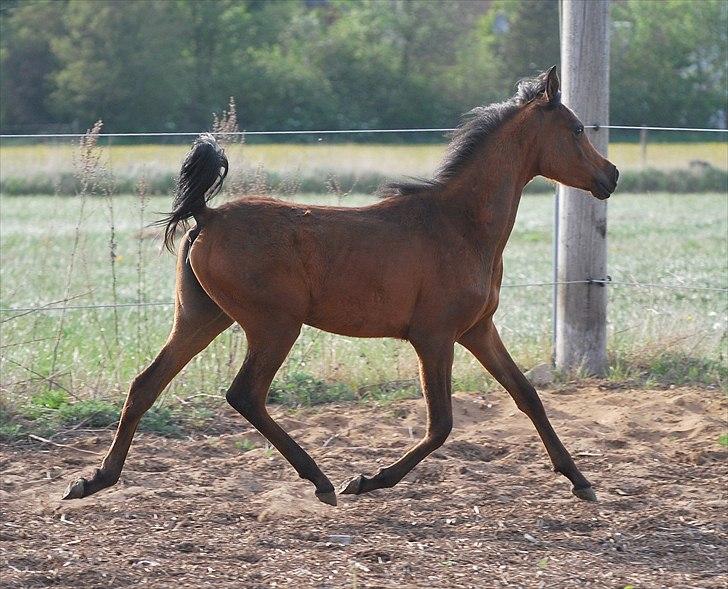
606, 183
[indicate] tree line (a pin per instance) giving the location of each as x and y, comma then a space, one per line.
151, 65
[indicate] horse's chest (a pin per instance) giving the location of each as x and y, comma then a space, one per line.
466, 295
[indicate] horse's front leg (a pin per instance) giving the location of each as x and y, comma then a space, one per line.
435, 374
485, 344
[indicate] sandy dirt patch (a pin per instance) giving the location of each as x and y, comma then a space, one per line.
483, 511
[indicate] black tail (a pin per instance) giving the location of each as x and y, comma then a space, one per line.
203, 171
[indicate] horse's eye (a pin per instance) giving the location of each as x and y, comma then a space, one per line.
579, 130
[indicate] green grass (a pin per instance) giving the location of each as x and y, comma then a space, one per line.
52, 410
656, 336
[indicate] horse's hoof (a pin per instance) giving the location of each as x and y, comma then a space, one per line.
83, 487
353, 487
585, 494
75, 490
328, 497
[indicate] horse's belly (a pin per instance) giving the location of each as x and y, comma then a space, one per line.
363, 313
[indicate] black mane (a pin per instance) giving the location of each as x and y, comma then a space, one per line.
478, 125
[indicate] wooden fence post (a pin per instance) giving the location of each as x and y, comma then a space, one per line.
581, 309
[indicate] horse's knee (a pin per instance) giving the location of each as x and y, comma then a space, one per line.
240, 401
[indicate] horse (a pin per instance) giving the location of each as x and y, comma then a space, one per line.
423, 264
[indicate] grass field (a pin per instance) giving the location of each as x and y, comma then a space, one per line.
659, 335
347, 158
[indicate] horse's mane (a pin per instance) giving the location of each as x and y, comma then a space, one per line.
477, 126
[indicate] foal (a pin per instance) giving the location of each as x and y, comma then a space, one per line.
423, 265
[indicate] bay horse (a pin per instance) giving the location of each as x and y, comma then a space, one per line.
424, 264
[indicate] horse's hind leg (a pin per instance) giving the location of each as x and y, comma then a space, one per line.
485, 344
435, 373
197, 321
268, 346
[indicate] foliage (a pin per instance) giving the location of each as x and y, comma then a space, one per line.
158, 64
244, 445
10, 427
300, 388
118, 61
27, 62
679, 181
668, 62
51, 410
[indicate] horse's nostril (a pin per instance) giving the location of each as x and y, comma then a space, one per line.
616, 174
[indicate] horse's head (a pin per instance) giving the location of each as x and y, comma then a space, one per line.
566, 154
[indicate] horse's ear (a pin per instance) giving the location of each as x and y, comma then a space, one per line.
553, 86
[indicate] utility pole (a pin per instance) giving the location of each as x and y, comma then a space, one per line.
581, 308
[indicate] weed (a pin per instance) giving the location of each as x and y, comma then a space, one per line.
657, 365
388, 392
10, 427
10, 430
300, 388
244, 445
50, 399
161, 420
92, 413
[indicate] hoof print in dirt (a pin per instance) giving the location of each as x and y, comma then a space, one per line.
585, 494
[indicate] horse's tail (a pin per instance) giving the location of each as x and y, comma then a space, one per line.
201, 177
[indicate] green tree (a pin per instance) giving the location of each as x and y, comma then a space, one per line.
26, 62
523, 37
668, 62
121, 62
273, 74
512, 40
301, 64
389, 63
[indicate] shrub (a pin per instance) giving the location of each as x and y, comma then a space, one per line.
704, 179
299, 388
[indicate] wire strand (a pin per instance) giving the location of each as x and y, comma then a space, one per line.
594, 126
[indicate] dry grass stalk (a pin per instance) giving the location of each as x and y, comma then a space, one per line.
290, 185
225, 127
227, 132
86, 164
141, 310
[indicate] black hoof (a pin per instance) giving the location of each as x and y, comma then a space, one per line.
76, 490
354, 487
83, 487
328, 497
585, 494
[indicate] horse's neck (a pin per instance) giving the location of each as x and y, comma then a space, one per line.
489, 188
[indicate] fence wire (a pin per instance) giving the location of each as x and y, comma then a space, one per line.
595, 127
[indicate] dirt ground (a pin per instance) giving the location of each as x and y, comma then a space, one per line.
483, 511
